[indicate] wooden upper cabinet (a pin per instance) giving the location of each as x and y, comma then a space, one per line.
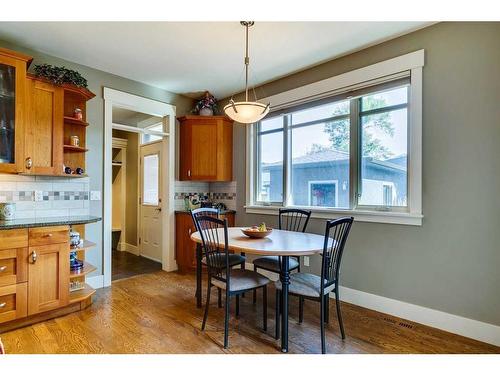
206, 148
13, 67
43, 136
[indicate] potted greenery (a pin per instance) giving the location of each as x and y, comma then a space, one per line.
206, 106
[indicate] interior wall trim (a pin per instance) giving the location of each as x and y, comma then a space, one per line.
456, 324
459, 325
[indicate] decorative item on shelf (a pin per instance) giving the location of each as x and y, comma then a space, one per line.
74, 238
246, 112
192, 202
60, 75
74, 140
79, 171
7, 211
67, 170
75, 285
206, 106
77, 113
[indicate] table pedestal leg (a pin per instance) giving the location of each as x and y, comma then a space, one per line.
198, 275
285, 282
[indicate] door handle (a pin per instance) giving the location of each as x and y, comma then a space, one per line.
189, 172
158, 209
3, 268
34, 257
29, 162
3, 304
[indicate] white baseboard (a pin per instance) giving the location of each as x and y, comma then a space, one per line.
95, 282
123, 246
459, 325
150, 258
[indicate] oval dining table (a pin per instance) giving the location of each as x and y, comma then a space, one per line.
279, 243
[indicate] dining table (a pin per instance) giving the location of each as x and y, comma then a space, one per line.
279, 243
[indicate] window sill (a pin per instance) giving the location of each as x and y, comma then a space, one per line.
401, 218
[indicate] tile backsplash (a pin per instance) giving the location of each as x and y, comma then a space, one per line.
42, 196
224, 192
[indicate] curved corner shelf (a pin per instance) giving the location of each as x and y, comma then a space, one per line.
74, 148
82, 294
87, 268
83, 246
74, 121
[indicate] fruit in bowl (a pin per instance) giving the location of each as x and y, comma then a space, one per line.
257, 231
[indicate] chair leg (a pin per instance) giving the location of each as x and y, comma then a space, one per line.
322, 324
301, 309
264, 307
237, 305
327, 308
205, 316
226, 321
219, 297
277, 311
339, 313
255, 290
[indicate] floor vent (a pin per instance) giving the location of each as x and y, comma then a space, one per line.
406, 325
389, 320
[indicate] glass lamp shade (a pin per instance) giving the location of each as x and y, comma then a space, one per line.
246, 112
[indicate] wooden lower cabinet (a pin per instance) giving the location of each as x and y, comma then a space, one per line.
13, 266
185, 248
13, 302
48, 277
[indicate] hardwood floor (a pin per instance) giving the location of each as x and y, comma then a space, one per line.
125, 264
156, 313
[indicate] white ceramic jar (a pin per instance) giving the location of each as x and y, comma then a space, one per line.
7, 211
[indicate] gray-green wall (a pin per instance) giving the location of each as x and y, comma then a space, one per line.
95, 136
452, 262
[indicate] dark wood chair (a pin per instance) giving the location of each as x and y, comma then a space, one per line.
317, 288
233, 281
234, 259
291, 219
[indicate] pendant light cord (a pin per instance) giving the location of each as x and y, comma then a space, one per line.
247, 62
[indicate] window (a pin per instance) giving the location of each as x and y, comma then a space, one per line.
345, 148
150, 180
148, 138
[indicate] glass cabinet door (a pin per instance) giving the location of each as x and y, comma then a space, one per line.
7, 113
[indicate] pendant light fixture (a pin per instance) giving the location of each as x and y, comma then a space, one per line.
246, 112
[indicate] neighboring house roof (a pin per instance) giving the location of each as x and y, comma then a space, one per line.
329, 156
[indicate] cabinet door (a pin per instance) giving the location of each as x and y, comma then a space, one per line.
48, 277
44, 133
199, 150
12, 112
185, 248
12, 302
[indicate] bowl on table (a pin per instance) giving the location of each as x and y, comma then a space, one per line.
252, 233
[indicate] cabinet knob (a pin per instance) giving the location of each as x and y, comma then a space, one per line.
3, 304
3, 268
189, 231
48, 235
29, 163
189, 172
34, 257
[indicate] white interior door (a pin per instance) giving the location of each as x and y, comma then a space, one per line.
150, 217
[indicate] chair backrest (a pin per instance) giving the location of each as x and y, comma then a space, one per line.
335, 239
204, 211
214, 239
293, 219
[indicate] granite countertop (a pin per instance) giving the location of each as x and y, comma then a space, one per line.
222, 212
47, 221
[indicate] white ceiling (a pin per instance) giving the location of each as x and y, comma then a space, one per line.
190, 57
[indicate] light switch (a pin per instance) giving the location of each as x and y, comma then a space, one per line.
306, 261
95, 195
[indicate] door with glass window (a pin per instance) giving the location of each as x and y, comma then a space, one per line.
151, 223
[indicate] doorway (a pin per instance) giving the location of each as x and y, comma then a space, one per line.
138, 184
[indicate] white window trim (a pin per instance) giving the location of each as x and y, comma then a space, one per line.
323, 182
413, 62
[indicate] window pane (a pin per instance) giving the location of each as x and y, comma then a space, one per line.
320, 112
146, 138
271, 123
150, 180
384, 99
320, 165
270, 168
384, 159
